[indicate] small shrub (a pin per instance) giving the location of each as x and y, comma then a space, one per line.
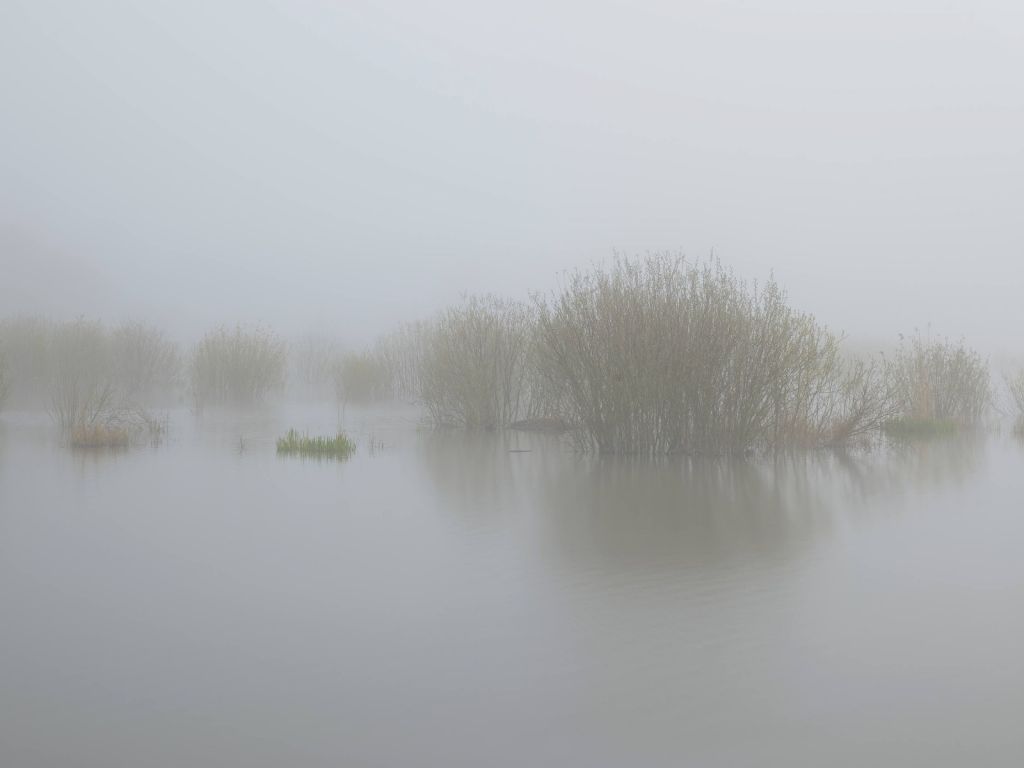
939, 381
474, 367
339, 447
237, 367
83, 389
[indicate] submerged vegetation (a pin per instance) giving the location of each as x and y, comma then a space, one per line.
341, 446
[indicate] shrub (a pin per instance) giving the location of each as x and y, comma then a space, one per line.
238, 367
474, 368
83, 391
939, 381
660, 355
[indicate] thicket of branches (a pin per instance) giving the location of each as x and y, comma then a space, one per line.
661, 355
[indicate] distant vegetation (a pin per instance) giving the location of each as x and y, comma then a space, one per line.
650, 355
237, 367
1015, 385
294, 443
939, 386
5, 378
361, 378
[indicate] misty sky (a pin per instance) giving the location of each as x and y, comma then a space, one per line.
343, 166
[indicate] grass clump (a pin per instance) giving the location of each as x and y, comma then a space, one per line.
341, 446
99, 436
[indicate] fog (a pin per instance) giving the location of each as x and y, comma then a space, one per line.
351, 165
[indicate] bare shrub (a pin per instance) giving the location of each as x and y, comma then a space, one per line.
940, 381
660, 355
473, 370
242, 366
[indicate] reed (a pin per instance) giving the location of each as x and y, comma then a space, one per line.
295, 443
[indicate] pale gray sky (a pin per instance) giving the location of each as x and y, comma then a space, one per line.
347, 165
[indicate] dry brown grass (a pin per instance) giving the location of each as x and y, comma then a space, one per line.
99, 436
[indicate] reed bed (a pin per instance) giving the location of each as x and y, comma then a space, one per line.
294, 443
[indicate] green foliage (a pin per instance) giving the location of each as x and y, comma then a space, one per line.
300, 444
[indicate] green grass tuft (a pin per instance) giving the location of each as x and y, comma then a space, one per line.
295, 444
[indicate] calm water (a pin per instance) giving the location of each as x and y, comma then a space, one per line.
457, 600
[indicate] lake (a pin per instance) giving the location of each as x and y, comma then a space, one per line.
453, 599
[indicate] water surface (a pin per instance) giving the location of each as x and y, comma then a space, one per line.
444, 599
